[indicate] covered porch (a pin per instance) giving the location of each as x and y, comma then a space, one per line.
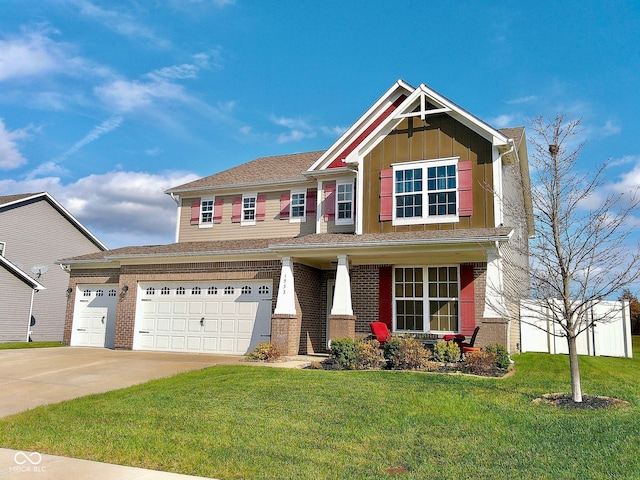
434, 283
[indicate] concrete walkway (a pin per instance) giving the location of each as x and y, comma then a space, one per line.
34, 377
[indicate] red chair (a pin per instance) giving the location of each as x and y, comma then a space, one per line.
380, 331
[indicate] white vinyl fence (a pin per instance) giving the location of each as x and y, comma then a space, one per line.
611, 337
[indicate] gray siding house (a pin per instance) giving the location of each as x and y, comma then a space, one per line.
35, 231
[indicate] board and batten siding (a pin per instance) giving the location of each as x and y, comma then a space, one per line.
441, 137
15, 302
37, 234
271, 227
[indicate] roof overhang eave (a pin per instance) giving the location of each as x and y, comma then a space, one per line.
237, 186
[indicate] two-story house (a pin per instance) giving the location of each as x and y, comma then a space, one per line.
407, 219
35, 231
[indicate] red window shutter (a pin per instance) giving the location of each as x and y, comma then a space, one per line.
285, 206
467, 300
236, 211
217, 211
261, 208
465, 182
311, 203
386, 195
330, 202
195, 212
385, 297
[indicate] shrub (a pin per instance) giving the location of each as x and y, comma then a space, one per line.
407, 353
446, 352
264, 352
369, 355
503, 361
343, 352
480, 363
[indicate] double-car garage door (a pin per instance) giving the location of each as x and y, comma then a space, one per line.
213, 317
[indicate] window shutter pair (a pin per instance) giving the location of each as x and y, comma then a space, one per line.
217, 211
261, 209
285, 204
465, 182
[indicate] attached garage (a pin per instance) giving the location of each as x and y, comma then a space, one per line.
228, 317
94, 316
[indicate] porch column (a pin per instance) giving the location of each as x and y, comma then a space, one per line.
342, 321
286, 320
495, 306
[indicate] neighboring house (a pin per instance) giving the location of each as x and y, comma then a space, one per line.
405, 219
35, 231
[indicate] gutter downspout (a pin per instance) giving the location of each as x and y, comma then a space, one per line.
33, 291
177, 202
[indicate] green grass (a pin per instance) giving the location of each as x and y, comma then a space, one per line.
257, 422
17, 345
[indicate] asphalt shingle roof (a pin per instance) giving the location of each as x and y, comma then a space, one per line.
282, 168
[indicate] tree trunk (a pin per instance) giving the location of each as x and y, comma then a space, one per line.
576, 388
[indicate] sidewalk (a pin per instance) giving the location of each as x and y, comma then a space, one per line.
17, 465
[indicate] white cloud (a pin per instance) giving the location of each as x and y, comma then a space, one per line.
45, 169
10, 155
119, 207
521, 100
126, 96
503, 121
120, 22
294, 136
98, 131
610, 128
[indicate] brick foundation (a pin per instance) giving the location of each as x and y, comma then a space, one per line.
285, 333
342, 326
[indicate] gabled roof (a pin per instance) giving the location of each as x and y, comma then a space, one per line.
15, 201
281, 169
399, 102
20, 274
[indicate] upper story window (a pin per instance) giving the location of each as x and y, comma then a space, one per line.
344, 203
298, 204
206, 212
249, 209
425, 192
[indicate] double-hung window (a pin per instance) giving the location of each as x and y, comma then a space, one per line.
344, 203
249, 209
298, 206
426, 299
425, 192
206, 212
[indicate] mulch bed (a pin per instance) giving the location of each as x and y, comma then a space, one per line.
592, 402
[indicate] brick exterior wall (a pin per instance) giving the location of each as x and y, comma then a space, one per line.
364, 297
342, 326
308, 287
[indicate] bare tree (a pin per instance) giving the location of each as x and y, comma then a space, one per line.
582, 252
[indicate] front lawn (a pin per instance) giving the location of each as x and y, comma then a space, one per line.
256, 422
17, 345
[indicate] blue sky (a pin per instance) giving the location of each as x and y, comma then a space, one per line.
105, 104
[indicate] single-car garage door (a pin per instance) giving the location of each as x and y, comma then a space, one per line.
216, 317
94, 316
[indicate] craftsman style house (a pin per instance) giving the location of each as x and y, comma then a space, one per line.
405, 219
35, 231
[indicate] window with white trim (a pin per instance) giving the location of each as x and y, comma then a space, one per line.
425, 192
426, 299
344, 203
249, 209
298, 206
206, 212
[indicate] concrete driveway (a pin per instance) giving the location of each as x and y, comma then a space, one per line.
39, 376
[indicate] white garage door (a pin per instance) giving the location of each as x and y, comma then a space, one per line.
94, 316
216, 317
